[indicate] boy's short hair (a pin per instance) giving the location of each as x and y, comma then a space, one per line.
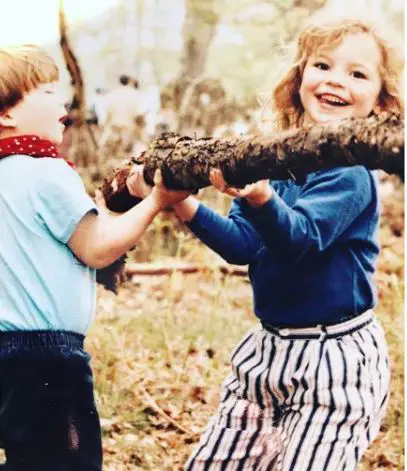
22, 69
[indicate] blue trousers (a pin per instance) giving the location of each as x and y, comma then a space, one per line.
48, 417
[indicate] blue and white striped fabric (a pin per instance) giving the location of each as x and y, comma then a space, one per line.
294, 402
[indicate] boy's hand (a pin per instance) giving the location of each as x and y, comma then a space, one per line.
101, 204
136, 184
256, 194
163, 197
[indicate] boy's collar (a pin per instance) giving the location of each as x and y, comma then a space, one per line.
30, 145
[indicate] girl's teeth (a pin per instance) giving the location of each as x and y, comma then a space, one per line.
332, 100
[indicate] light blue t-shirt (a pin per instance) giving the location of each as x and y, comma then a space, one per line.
42, 284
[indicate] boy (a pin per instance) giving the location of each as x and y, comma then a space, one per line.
52, 239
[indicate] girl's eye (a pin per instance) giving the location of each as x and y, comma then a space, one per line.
321, 65
358, 75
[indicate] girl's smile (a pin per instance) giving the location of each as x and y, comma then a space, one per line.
342, 81
330, 99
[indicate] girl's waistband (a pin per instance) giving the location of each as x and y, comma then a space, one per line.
323, 332
40, 339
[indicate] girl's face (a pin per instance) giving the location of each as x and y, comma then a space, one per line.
342, 82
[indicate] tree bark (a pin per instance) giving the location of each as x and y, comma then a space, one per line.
78, 100
375, 142
198, 31
83, 142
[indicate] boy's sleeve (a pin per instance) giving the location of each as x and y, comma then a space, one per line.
61, 200
232, 237
327, 206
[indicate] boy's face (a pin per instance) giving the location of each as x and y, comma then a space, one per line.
40, 112
342, 82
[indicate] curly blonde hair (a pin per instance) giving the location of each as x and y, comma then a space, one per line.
285, 100
22, 69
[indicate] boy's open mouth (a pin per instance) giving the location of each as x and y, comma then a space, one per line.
332, 100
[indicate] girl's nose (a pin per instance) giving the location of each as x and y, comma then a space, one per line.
336, 79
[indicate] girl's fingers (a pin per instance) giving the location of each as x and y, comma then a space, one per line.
236, 193
212, 177
246, 190
217, 180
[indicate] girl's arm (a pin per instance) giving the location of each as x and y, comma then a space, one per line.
327, 206
233, 237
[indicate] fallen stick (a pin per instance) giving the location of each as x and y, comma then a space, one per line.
153, 404
150, 269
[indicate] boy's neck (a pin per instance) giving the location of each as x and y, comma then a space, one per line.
5, 133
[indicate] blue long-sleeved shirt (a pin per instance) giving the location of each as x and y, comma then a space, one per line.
311, 249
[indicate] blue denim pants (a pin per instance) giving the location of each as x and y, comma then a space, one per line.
48, 416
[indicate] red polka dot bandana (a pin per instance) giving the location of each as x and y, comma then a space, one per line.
30, 145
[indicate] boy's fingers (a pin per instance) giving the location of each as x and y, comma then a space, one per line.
99, 198
158, 178
137, 168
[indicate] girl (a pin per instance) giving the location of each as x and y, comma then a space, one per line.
309, 385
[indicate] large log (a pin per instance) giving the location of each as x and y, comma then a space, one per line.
376, 142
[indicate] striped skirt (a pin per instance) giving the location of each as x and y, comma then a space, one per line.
299, 400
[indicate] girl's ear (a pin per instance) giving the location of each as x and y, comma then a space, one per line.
7, 120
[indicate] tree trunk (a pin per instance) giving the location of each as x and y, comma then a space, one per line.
198, 32
199, 29
78, 100
83, 141
375, 142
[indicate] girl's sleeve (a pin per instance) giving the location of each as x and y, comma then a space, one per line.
326, 207
233, 237
61, 200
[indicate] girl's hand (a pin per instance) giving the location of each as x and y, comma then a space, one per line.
136, 184
256, 194
164, 197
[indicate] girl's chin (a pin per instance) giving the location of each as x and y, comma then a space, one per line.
321, 118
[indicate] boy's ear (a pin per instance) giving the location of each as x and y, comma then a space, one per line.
7, 120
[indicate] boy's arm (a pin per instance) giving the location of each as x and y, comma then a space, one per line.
99, 240
326, 208
232, 237
96, 236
